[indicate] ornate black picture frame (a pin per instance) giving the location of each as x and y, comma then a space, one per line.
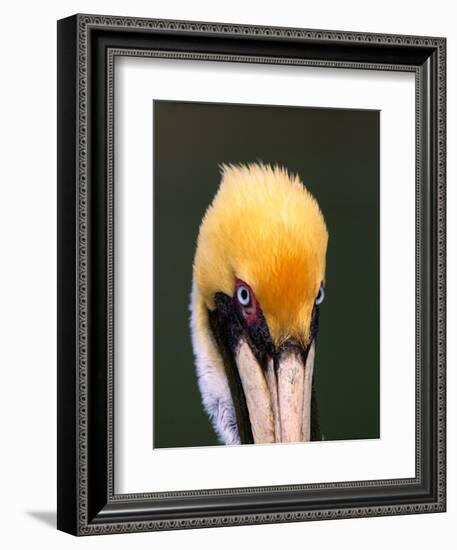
87, 47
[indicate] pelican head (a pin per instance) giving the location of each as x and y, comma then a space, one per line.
258, 282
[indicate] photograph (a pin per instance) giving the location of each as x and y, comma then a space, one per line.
251, 272
266, 274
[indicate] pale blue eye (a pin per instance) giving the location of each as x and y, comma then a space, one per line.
320, 296
243, 295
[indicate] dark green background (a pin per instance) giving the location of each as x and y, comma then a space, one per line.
336, 154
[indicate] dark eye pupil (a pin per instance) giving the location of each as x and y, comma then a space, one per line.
244, 294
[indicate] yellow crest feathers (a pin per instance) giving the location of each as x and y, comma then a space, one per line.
264, 228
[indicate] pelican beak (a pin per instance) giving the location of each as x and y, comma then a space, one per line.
271, 387
278, 393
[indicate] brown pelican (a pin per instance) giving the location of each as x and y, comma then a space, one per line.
258, 282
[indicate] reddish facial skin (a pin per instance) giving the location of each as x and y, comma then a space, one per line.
251, 312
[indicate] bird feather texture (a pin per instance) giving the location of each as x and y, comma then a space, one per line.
265, 228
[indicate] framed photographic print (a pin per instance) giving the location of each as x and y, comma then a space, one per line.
251, 274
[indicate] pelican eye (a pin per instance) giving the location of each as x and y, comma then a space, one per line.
243, 295
320, 296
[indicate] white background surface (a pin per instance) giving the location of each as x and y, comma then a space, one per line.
28, 273
137, 82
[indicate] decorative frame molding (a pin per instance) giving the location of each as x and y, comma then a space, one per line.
88, 45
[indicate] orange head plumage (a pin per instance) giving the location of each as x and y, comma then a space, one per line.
263, 227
